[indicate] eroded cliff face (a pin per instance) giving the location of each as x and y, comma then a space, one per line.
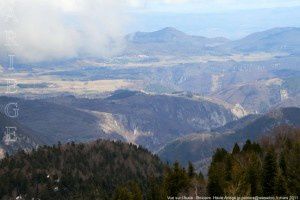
150, 134
2, 153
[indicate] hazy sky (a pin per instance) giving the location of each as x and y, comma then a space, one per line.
59, 29
229, 18
208, 6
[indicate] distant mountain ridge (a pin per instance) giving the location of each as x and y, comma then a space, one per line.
174, 42
151, 120
52, 122
170, 41
276, 39
131, 116
168, 34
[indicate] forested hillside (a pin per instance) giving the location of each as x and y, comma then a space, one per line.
199, 147
77, 171
268, 168
119, 171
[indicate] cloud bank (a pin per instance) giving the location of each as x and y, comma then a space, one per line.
46, 30
43, 30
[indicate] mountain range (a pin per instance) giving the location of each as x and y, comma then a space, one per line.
170, 41
135, 117
272, 40
191, 95
178, 127
151, 120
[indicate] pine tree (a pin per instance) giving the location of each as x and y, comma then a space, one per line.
252, 179
214, 187
282, 164
269, 173
293, 169
219, 155
176, 181
236, 149
228, 168
201, 176
247, 146
217, 172
191, 170
256, 148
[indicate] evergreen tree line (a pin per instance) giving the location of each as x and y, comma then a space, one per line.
118, 171
268, 168
271, 168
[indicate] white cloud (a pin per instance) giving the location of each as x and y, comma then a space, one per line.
58, 29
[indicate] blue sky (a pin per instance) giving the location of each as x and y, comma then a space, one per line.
229, 18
